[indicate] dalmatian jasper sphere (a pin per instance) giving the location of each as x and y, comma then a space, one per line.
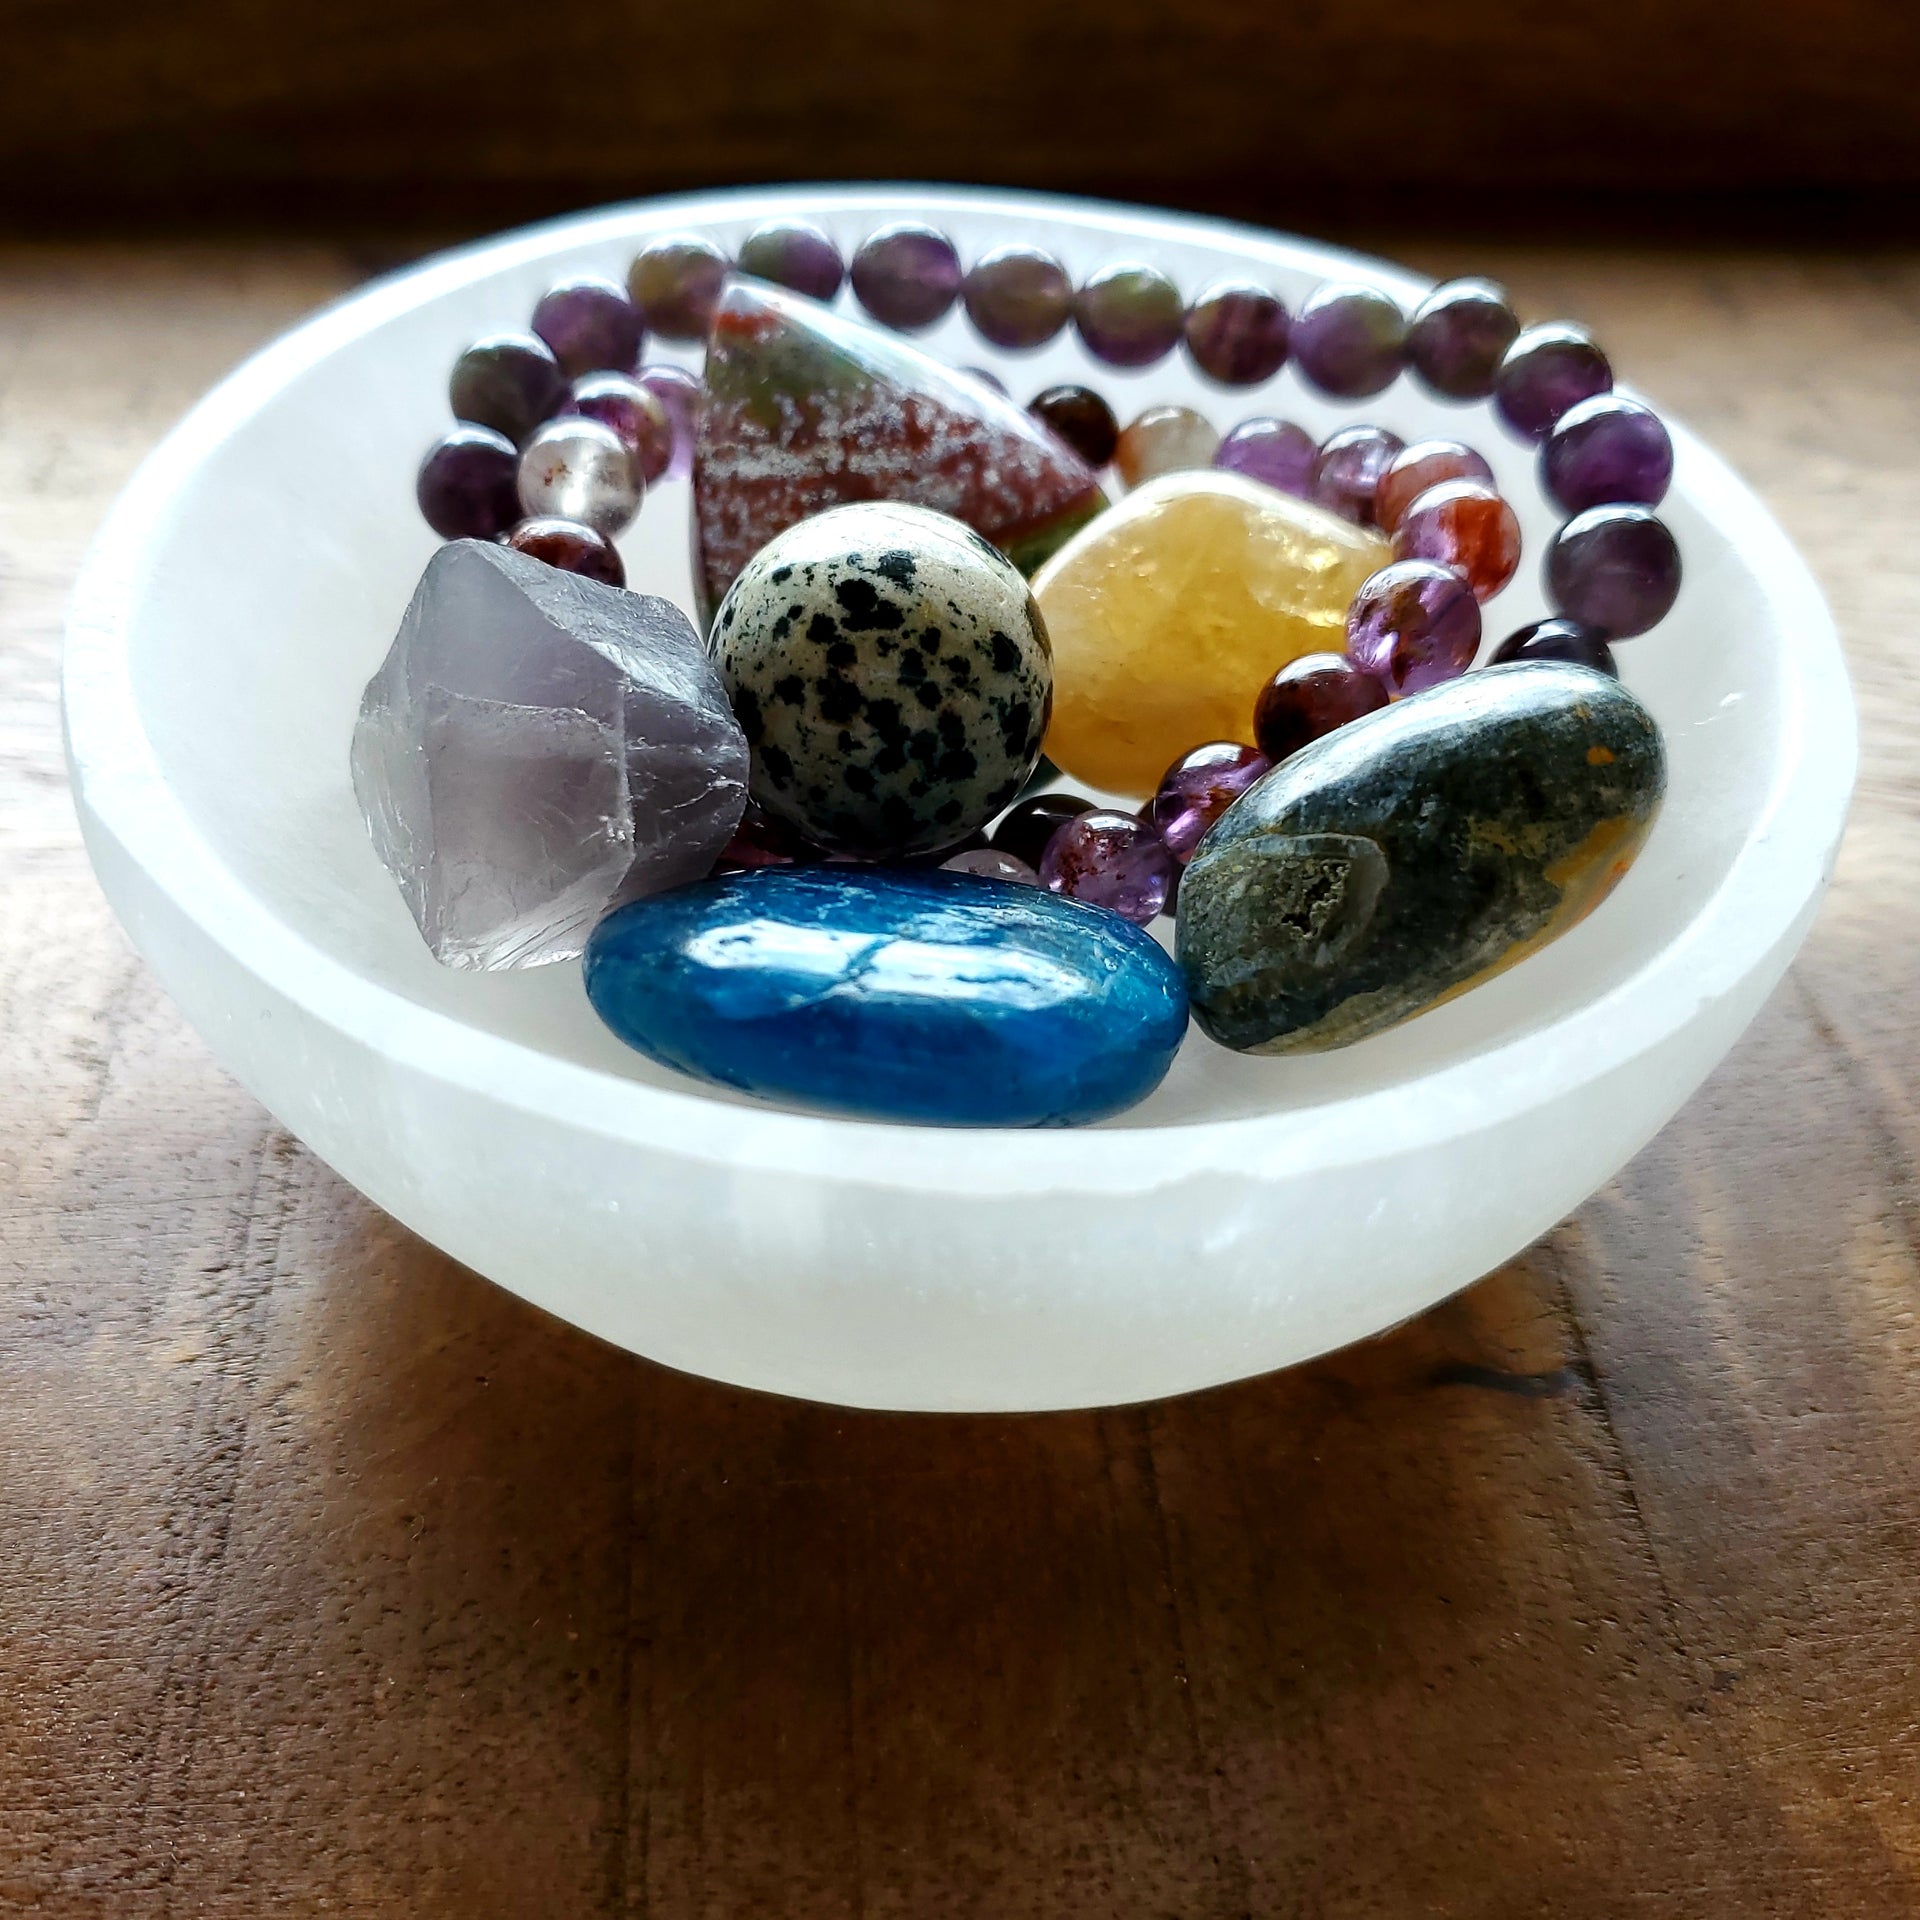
892, 674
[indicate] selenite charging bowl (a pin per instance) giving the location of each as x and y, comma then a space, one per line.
1251, 1213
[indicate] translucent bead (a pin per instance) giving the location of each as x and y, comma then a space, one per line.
1459, 335
1198, 788
570, 547
1164, 440
1416, 468
508, 381
1565, 640
1129, 315
590, 324
1467, 527
1111, 860
1238, 333
1615, 568
679, 392
1082, 419
1018, 297
676, 285
1607, 451
634, 412
1349, 468
1029, 824
1310, 697
991, 864
577, 469
1273, 451
467, 488
795, 254
1546, 371
906, 275
1349, 341
1414, 624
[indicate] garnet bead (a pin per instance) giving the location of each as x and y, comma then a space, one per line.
1459, 335
1349, 469
590, 324
1415, 624
1615, 568
1564, 640
572, 548
1111, 860
1238, 333
1274, 451
1198, 788
1309, 697
468, 487
794, 254
676, 285
1416, 468
1467, 527
1030, 824
1018, 297
1349, 341
906, 275
508, 381
1607, 451
1082, 419
1128, 315
1547, 370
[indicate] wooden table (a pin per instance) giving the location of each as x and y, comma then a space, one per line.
333, 1580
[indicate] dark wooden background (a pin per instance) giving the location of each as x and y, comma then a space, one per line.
1473, 115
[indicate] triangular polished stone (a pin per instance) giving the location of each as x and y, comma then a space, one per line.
804, 410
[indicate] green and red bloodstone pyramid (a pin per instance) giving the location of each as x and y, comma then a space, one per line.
804, 410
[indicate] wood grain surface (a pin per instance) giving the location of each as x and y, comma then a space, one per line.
334, 1581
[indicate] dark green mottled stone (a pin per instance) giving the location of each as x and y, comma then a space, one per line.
1414, 853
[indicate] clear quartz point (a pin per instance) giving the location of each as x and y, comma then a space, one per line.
537, 749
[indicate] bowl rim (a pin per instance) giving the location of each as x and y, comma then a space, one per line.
121, 791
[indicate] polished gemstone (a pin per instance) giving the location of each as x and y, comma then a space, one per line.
468, 485
892, 674
635, 412
1615, 568
1128, 315
1604, 451
1171, 610
1466, 526
805, 410
1310, 697
989, 863
1349, 340
590, 325
1198, 788
1547, 371
1031, 823
1564, 640
536, 748
679, 393
906, 275
794, 254
676, 284
572, 548
1111, 860
1275, 452
579, 469
508, 381
1237, 333
1413, 625
1082, 419
1349, 468
1458, 336
1018, 297
939, 998
1426, 463
1164, 440
1414, 854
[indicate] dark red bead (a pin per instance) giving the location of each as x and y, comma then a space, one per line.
1467, 527
1082, 419
572, 548
1309, 697
1030, 824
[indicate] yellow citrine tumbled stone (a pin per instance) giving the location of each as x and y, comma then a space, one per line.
1171, 610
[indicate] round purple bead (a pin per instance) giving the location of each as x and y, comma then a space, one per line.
676, 285
906, 275
590, 325
1349, 341
1238, 333
1198, 788
1275, 452
794, 254
1564, 640
1129, 315
1615, 568
1414, 624
1459, 335
1349, 468
468, 487
1018, 297
1547, 370
572, 548
679, 392
634, 412
1082, 419
1607, 451
508, 381
1111, 860
1310, 697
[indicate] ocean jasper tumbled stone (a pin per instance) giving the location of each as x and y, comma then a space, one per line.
1168, 613
1414, 853
941, 998
892, 673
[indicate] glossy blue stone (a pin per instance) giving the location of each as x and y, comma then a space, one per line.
943, 998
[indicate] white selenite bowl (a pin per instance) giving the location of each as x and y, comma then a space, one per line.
1250, 1214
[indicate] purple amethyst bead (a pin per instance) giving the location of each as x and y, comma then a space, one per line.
1349, 341
1607, 451
1349, 468
906, 275
634, 412
1129, 315
679, 392
1018, 297
1238, 333
1110, 860
468, 487
1414, 624
509, 382
794, 254
1198, 788
1459, 335
1615, 568
1565, 640
590, 325
1547, 370
1275, 452
676, 285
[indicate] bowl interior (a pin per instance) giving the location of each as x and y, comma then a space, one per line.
290, 551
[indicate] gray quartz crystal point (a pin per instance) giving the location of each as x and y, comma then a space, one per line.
537, 749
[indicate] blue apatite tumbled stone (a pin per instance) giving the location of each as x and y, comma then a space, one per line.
936, 997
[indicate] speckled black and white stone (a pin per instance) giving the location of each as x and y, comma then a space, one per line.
892, 675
